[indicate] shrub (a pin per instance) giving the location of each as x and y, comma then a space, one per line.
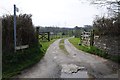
25, 31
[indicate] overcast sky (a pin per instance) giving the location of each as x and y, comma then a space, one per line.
63, 13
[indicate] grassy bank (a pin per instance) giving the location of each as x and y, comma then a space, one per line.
62, 46
14, 63
46, 44
93, 50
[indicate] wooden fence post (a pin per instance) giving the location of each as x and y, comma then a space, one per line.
92, 38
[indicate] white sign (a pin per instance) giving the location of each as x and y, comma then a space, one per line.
22, 47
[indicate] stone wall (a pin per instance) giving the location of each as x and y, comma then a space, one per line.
109, 44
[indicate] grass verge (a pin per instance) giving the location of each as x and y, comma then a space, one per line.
46, 44
14, 63
93, 50
62, 46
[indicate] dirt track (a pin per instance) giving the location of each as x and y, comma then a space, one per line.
77, 64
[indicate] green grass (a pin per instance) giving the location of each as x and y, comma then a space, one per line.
14, 63
75, 42
62, 46
46, 44
93, 50
55, 37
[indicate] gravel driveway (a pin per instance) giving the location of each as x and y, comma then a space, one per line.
77, 64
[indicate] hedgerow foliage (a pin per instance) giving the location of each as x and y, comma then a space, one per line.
25, 31
107, 26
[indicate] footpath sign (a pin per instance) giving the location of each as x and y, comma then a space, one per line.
22, 47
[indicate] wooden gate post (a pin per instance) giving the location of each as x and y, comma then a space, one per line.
48, 36
80, 43
92, 38
37, 33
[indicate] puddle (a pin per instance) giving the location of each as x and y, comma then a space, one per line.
73, 71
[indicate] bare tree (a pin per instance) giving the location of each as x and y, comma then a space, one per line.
112, 5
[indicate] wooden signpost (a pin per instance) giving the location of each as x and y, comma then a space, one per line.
1, 48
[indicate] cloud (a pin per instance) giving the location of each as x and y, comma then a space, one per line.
53, 12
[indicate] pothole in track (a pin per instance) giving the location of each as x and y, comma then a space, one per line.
73, 71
